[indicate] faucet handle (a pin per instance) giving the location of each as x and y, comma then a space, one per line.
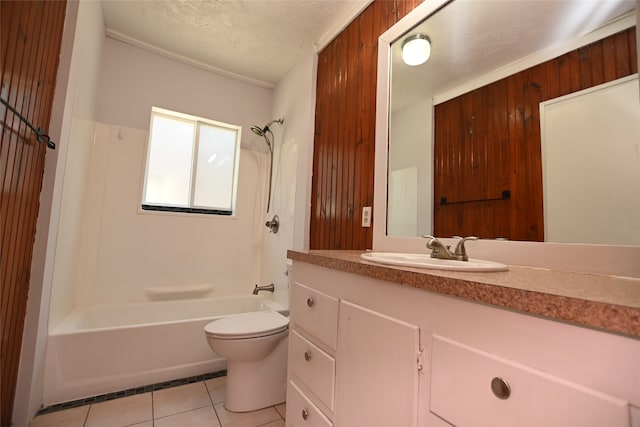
438, 249
460, 251
431, 239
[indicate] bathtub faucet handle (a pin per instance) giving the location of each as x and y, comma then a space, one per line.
268, 288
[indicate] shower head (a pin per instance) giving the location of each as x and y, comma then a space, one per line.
262, 131
257, 130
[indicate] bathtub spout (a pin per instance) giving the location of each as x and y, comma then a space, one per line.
269, 288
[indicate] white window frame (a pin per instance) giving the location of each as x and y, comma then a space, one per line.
192, 208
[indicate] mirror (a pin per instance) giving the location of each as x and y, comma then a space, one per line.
479, 136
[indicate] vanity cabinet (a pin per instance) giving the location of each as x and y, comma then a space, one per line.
365, 352
325, 329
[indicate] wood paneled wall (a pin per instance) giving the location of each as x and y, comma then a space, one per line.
488, 141
343, 159
31, 32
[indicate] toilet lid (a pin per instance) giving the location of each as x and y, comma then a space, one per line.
247, 325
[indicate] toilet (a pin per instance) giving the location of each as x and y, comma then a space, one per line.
255, 346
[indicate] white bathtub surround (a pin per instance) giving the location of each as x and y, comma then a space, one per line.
127, 250
108, 348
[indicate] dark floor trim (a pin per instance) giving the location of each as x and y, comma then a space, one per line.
130, 392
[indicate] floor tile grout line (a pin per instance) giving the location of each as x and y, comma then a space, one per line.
212, 403
153, 410
272, 421
183, 412
86, 417
281, 416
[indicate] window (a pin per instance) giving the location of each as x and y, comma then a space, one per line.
192, 164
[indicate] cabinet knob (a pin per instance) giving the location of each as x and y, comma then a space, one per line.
310, 302
500, 388
305, 414
307, 356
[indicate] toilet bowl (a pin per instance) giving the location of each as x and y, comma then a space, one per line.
255, 346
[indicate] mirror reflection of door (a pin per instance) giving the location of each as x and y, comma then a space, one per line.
597, 132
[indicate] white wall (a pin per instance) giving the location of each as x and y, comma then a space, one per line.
71, 127
133, 80
294, 100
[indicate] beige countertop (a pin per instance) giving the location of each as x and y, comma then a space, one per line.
608, 303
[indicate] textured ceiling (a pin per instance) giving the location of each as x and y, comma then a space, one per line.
259, 40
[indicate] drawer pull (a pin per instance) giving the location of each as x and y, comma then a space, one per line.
500, 388
305, 414
307, 356
310, 302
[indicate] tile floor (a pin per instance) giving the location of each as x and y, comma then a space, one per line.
193, 405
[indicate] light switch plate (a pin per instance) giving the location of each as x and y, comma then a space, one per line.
366, 216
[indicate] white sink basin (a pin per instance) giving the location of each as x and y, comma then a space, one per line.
425, 261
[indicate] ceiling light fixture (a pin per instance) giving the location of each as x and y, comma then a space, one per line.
416, 49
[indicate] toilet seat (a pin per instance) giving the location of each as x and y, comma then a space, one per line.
247, 325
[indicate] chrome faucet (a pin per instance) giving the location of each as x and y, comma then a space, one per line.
439, 250
269, 288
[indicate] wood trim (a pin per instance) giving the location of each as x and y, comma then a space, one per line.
344, 143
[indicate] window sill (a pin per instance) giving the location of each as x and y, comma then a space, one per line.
176, 209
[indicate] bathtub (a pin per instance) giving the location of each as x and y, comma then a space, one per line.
108, 348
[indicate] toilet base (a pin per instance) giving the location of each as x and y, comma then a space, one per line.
258, 384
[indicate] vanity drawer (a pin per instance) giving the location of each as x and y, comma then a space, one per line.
301, 412
315, 368
471, 387
316, 313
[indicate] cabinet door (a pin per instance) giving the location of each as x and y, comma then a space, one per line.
376, 369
